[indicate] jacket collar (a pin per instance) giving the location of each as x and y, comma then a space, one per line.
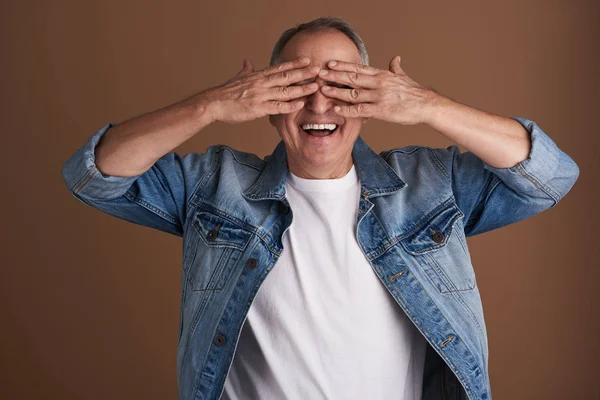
376, 177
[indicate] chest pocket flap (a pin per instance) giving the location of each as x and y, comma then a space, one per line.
439, 248
214, 246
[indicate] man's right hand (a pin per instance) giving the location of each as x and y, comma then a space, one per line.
133, 146
254, 94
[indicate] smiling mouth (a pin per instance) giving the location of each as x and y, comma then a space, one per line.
319, 130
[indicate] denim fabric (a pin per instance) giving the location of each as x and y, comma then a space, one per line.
418, 204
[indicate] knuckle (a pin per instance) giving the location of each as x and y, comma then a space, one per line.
285, 75
353, 76
245, 94
354, 93
284, 91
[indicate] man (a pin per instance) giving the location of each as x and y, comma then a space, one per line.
366, 285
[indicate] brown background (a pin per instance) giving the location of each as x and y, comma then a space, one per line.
89, 304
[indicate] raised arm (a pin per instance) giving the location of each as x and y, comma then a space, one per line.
128, 170
511, 169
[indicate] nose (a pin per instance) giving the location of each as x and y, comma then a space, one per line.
317, 102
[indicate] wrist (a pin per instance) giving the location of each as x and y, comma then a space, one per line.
206, 108
433, 106
203, 108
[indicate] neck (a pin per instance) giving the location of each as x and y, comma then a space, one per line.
333, 171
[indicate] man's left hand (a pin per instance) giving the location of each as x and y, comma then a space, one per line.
387, 95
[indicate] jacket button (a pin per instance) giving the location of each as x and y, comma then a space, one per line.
251, 263
219, 339
212, 234
438, 237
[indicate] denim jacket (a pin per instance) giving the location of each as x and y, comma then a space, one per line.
417, 206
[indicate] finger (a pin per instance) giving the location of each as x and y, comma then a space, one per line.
395, 66
286, 66
282, 107
350, 95
286, 93
352, 79
247, 68
293, 76
351, 67
357, 110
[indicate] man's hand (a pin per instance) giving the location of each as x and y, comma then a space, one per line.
392, 96
254, 94
387, 95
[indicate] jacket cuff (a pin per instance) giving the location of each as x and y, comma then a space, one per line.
540, 166
83, 178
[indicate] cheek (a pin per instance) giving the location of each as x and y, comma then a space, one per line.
354, 124
281, 121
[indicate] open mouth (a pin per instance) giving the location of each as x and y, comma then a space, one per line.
319, 130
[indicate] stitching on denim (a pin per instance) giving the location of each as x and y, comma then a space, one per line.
450, 286
202, 180
392, 151
551, 193
229, 253
459, 297
85, 180
483, 195
221, 245
438, 163
430, 339
521, 170
385, 165
259, 232
456, 216
233, 152
435, 347
152, 208
239, 330
448, 203
260, 180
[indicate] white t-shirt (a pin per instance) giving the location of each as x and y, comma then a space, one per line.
322, 325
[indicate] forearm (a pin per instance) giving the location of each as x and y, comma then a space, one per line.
499, 141
133, 146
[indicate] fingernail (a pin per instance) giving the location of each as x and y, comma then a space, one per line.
313, 86
304, 60
326, 88
337, 108
332, 63
323, 72
314, 69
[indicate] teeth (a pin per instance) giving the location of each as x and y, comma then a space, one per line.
329, 127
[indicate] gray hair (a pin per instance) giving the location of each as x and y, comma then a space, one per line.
316, 26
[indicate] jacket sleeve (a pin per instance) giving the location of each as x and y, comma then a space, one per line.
157, 198
492, 197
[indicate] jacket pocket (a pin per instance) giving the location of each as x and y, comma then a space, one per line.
212, 250
439, 248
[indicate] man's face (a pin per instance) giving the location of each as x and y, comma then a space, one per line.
310, 150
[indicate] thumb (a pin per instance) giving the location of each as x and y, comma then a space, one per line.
246, 68
395, 65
